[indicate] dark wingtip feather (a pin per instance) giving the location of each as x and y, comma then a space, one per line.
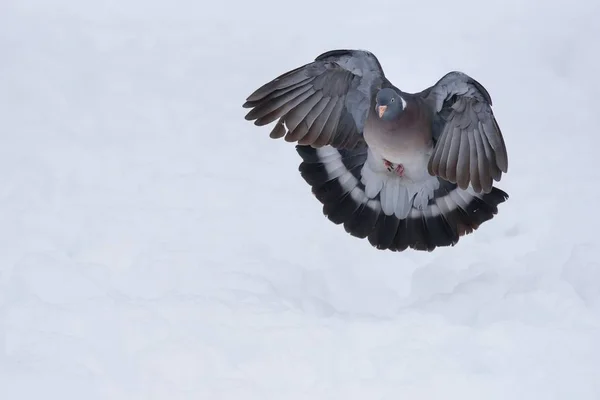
441, 233
483, 209
278, 131
314, 173
274, 84
307, 153
362, 223
382, 236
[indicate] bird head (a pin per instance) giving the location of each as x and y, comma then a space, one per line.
389, 104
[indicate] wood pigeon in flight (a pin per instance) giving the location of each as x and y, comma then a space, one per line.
401, 169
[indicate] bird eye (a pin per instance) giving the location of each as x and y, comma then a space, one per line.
393, 100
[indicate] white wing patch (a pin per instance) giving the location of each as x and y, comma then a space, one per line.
398, 196
332, 161
457, 198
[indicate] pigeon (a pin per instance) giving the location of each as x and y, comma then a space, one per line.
404, 170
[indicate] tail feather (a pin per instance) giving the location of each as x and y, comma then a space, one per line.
335, 178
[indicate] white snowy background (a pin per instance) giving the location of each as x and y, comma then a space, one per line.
155, 245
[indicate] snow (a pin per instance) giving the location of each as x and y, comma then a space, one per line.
155, 245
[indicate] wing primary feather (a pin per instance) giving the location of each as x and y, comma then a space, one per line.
279, 130
452, 160
277, 93
284, 108
503, 162
492, 132
485, 177
298, 113
270, 105
474, 165
317, 127
329, 129
302, 129
285, 80
462, 168
383, 234
490, 155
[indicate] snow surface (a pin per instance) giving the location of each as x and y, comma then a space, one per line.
155, 245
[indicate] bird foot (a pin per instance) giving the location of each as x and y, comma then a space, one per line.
398, 169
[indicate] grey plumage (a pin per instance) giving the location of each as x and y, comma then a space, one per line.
403, 169
471, 148
324, 102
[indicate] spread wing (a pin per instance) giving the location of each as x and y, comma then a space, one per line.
470, 148
321, 103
